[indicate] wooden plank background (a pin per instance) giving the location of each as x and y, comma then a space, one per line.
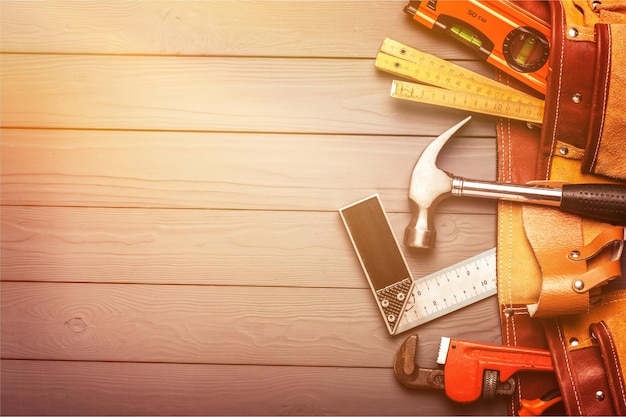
171, 175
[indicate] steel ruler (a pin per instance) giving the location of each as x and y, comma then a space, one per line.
450, 289
406, 302
453, 86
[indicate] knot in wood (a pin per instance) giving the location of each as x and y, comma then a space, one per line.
76, 325
446, 228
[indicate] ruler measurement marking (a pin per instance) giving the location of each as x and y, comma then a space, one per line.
450, 289
453, 86
436, 96
411, 56
453, 82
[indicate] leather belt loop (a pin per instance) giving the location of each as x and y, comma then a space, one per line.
612, 237
610, 240
602, 334
581, 374
569, 268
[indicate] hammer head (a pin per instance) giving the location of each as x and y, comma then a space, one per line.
429, 185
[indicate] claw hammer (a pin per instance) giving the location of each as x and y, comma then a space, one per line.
430, 185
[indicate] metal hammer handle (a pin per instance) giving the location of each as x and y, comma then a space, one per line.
429, 185
603, 202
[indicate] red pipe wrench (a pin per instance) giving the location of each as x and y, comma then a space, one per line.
470, 369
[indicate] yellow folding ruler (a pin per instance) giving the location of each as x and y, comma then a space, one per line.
453, 86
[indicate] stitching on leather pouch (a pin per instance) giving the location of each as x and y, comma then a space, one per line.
558, 97
510, 274
569, 369
509, 158
619, 374
604, 101
520, 311
506, 171
510, 262
510, 319
501, 211
509, 144
506, 139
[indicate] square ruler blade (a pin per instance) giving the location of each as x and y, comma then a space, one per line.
406, 303
382, 260
451, 289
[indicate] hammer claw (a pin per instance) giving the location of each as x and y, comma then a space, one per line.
431, 152
429, 185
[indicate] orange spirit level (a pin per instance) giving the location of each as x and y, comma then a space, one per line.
508, 37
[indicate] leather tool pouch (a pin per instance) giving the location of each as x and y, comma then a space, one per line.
557, 273
585, 99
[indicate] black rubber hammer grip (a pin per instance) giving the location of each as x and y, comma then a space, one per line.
604, 202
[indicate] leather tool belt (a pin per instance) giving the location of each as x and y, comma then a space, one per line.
559, 275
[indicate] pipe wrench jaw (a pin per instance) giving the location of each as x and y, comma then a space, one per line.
408, 371
472, 369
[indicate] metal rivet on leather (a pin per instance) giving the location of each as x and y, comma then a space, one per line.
574, 254
508, 312
595, 4
573, 341
577, 98
572, 32
599, 395
579, 285
563, 150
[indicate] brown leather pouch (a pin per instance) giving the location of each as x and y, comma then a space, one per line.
585, 102
557, 272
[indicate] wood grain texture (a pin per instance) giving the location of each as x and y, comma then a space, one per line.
235, 27
215, 94
225, 171
215, 247
96, 388
171, 174
212, 324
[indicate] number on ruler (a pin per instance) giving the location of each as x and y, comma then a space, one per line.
450, 289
